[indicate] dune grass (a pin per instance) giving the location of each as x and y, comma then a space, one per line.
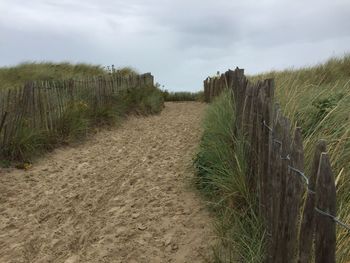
221, 170
318, 99
183, 96
17, 75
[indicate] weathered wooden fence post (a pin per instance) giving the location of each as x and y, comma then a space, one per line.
3, 119
325, 240
294, 195
307, 229
280, 248
266, 124
276, 179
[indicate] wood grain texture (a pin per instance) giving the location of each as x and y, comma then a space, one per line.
325, 240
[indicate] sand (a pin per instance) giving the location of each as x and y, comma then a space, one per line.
123, 195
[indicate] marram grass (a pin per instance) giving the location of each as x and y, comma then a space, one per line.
221, 170
183, 96
15, 76
318, 99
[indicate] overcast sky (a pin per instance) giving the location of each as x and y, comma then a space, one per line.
180, 41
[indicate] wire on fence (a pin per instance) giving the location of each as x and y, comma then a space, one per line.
304, 177
335, 219
277, 141
300, 173
267, 126
306, 180
287, 157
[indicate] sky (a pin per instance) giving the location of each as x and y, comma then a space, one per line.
180, 42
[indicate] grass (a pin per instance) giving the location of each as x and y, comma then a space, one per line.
221, 170
318, 99
17, 75
183, 96
142, 101
74, 123
25, 143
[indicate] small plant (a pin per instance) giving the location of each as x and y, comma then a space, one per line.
141, 101
74, 123
321, 108
325, 105
106, 115
152, 103
25, 144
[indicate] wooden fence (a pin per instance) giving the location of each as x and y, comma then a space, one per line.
41, 104
298, 210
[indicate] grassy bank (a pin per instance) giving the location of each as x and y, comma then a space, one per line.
221, 178
17, 75
318, 99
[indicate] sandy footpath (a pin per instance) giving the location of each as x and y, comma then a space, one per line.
122, 196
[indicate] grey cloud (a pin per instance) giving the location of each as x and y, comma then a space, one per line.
179, 41
22, 46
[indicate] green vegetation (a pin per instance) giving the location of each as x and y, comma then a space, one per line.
221, 178
318, 99
17, 75
142, 101
183, 96
27, 142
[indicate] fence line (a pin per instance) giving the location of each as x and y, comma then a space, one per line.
42, 104
275, 159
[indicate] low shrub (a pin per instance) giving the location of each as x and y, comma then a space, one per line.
141, 101
74, 123
25, 144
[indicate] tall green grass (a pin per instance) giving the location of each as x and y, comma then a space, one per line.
318, 99
221, 168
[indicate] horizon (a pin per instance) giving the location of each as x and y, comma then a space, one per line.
180, 43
